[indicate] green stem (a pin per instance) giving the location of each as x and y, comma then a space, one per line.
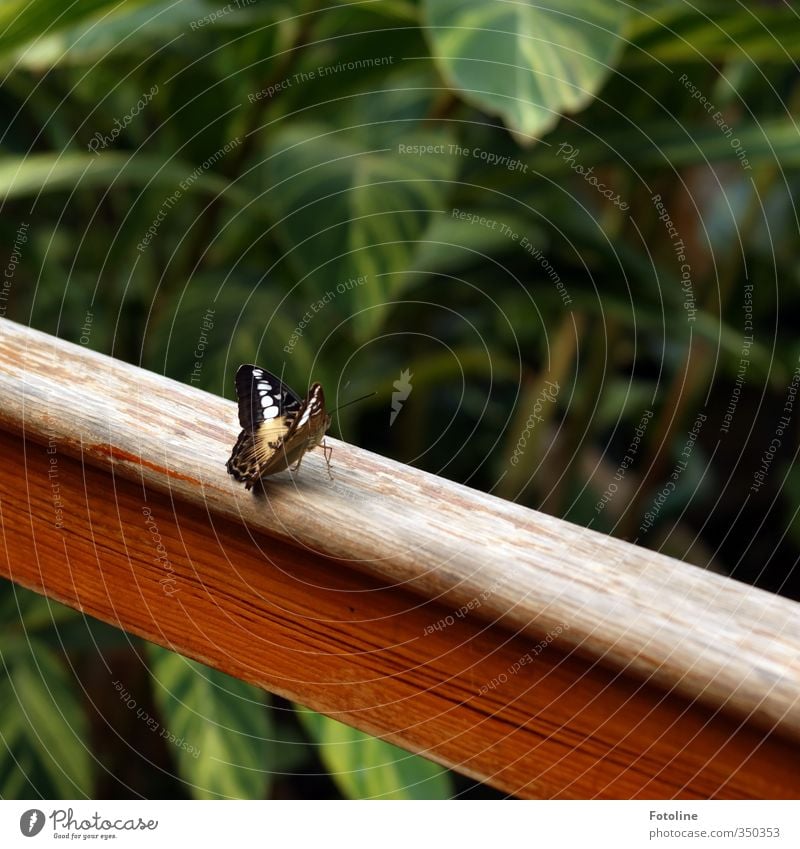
563, 352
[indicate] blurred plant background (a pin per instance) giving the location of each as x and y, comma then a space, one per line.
493, 198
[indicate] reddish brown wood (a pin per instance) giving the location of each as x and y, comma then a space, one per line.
326, 592
342, 642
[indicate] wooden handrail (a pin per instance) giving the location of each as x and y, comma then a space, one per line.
542, 657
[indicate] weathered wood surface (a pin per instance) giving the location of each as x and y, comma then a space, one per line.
326, 592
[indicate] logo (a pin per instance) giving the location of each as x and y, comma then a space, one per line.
31, 822
403, 387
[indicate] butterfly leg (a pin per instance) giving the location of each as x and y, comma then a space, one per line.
327, 452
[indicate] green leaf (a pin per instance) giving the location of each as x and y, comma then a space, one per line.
365, 767
24, 21
671, 145
527, 62
218, 728
37, 612
43, 722
405, 10
711, 31
230, 332
452, 243
148, 29
27, 175
350, 214
18, 771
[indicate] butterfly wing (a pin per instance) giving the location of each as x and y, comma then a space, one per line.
268, 410
306, 432
312, 420
259, 391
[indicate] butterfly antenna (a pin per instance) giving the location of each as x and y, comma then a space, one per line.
354, 401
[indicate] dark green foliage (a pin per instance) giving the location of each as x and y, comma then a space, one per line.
486, 198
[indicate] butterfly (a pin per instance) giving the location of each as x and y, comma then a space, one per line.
278, 426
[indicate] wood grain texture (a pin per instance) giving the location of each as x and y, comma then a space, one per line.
334, 639
421, 543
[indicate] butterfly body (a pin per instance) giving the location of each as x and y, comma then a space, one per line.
278, 425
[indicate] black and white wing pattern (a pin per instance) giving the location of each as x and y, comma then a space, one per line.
278, 425
263, 397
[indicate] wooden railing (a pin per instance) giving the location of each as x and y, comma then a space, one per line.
543, 658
